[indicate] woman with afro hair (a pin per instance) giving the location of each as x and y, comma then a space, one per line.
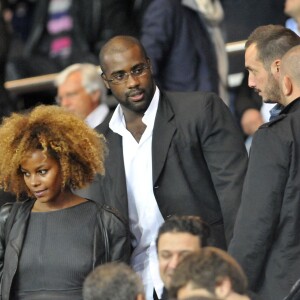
52, 240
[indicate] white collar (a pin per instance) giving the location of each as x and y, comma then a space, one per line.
97, 116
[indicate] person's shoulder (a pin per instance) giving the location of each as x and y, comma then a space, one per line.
9, 207
277, 132
197, 97
110, 213
194, 101
5, 210
273, 122
285, 119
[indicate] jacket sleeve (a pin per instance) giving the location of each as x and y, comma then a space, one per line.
118, 235
262, 197
226, 157
4, 213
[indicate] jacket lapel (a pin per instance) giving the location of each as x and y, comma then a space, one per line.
163, 132
115, 174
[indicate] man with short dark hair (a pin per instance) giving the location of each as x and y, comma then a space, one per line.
113, 281
177, 238
264, 49
210, 273
265, 240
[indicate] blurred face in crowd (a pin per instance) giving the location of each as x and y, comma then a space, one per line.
260, 79
292, 8
73, 96
135, 92
188, 291
172, 247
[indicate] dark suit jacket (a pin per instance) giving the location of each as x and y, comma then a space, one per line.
182, 53
199, 162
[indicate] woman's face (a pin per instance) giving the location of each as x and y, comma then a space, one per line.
42, 175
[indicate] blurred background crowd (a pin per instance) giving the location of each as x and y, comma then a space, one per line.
45, 36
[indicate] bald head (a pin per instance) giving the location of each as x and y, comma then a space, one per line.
291, 64
290, 75
119, 44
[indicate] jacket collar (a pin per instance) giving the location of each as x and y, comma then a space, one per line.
293, 106
163, 131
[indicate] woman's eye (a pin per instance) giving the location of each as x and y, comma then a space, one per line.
43, 172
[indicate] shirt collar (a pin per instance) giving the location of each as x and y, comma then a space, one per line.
97, 116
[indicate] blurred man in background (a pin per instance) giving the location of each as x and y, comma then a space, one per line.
80, 89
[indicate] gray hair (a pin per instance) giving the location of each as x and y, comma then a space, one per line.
112, 281
91, 78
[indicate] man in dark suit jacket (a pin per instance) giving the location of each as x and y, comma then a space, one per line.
185, 45
195, 162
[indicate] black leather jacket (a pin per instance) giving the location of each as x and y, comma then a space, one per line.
112, 231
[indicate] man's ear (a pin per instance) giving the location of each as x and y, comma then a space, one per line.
149, 63
287, 86
96, 96
223, 288
275, 68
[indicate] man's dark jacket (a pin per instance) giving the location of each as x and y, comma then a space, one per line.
266, 236
198, 161
180, 47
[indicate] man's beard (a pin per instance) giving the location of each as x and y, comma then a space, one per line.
273, 94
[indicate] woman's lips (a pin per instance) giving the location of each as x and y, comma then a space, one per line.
40, 194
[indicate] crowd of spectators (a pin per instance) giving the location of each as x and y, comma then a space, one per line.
176, 175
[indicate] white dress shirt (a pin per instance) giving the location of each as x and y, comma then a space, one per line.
144, 215
97, 116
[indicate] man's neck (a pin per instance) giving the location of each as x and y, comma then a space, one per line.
134, 123
136, 129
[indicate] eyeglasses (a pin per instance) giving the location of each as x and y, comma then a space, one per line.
122, 76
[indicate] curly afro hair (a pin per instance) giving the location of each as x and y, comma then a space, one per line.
79, 150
